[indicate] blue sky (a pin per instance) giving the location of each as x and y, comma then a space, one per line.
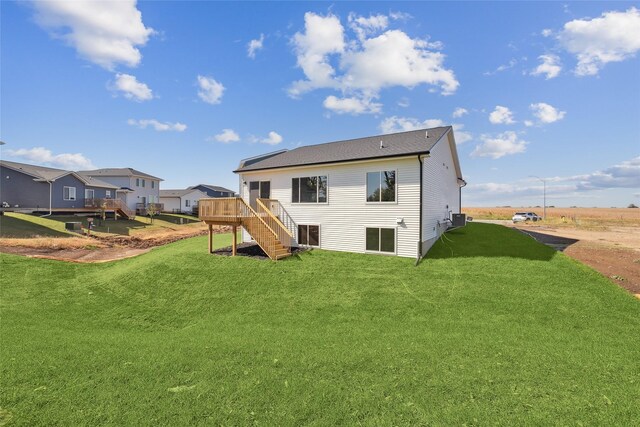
184, 91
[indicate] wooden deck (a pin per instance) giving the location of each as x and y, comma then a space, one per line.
266, 228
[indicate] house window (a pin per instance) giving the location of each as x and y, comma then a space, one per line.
381, 240
309, 189
309, 235
137, 182
143, 183
381, 186
187, 203
69, 193
153, 184
89, 194
107, 194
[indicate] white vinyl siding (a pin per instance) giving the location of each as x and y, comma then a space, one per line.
441, 195
346, 214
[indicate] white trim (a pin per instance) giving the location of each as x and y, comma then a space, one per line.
74, 194
326, 202
366, 192
319, 235
93, 193
379, 252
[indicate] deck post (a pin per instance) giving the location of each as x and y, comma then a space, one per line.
210, 238
235, 240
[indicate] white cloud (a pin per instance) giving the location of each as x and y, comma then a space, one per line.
528, 123
362, 66
512, 63
210, 90
254, 45
624, 175
550, 66
459, 112
546, 113
546, 32
273, 139
106, 33
131, 88
324, 35
41, 155
395, 124
612, 37
364, 27
404, 102
351, 105
227, 136
159, 126
504, 144
501, 115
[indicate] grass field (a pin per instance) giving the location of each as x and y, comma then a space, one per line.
587, 217
492, 329
17, 225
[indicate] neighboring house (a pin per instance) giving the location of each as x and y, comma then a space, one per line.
389, 194
136, 189
213, 190
181, 201
40, 188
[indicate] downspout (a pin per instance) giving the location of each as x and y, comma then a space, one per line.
460, 195
50, 199
420, 220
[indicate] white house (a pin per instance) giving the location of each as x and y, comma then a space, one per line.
181, 201
136, 189
390, 194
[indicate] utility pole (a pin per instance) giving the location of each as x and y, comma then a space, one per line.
544, 196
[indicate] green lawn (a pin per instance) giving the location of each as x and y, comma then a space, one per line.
25, 226
492, 329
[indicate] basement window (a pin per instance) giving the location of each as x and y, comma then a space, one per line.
309, 189
381, 240
381, 186
69, 193
309, 235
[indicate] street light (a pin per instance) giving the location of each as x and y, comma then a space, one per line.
544, 196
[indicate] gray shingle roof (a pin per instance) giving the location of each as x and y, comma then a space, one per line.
213, 187
38, 172
179, 193
119, 172
95, 182
393, 145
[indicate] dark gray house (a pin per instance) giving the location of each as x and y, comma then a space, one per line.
213, 190
39, 188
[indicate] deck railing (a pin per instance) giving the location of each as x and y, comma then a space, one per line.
110, 204
285, 236
263, 226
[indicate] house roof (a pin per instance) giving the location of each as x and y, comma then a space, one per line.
39, 172
373, 147
119, 172
213, 187
179, 193
95, 182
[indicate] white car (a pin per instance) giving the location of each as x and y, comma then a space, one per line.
525, 216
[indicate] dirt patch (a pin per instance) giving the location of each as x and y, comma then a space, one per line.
94, 248
612, 251
251, 250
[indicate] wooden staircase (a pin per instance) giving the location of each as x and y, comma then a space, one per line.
261, 223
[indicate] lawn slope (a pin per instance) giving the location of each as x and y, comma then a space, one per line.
491, 328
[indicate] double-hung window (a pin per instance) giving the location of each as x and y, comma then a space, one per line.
381, 186
69, 193
89, 193
309, 189
187, 203
309, 235
381, 239
137, 182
